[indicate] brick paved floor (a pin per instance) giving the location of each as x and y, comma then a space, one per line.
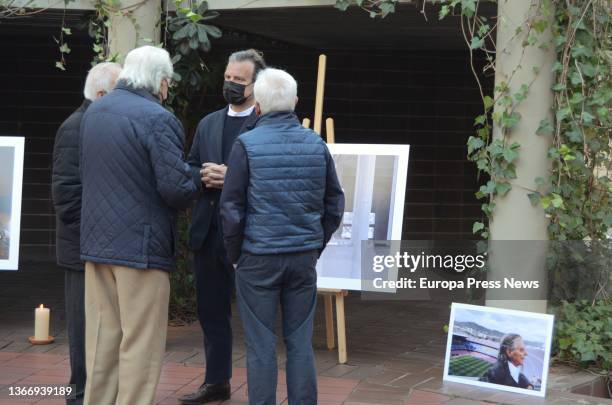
176, 379
395, 353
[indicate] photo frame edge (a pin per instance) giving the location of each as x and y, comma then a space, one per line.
498, 387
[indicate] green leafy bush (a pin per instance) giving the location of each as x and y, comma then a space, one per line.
182, 283
584, 333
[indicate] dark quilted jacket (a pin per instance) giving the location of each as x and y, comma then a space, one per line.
284, 195
66, 190
134, 180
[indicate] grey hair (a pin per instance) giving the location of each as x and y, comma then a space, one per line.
508, 342
249, 55
146, 67
101, 77
275, 90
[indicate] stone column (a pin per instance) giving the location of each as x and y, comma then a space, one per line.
137, 24
514, 218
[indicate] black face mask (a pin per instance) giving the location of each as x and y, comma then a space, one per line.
233, 92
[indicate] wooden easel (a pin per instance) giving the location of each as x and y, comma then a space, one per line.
329, 293
328, 296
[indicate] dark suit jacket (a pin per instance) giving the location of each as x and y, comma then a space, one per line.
66, 190
207, 147
499, 373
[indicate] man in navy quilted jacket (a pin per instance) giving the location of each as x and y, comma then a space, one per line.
280, 205
66, 191
134, 180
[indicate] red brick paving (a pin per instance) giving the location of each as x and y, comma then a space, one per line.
178, 379
396, 352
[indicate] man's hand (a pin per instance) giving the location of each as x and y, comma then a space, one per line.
213, 174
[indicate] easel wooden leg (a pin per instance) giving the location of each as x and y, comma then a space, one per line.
328, 297
341, 328
329, 322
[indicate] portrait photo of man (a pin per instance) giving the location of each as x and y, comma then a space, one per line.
508, 368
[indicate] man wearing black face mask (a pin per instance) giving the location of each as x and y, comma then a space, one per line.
214, 273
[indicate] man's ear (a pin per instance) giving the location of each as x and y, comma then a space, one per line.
163, 90
100, 93
296, 102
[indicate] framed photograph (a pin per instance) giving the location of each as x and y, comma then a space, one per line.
373, 178
11, 167
498, 348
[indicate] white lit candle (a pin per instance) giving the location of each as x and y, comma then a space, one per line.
41, 323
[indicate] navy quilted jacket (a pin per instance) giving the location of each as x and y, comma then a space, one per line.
66, 190
281, 192
134, 180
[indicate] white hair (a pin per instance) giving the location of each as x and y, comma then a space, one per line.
146, 67
275, 90
101, 77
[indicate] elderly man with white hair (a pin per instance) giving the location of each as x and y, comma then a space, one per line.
134, 179
280, 205
66, 191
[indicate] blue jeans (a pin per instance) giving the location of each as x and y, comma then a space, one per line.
262, 282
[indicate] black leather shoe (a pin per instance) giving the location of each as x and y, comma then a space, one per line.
207, 393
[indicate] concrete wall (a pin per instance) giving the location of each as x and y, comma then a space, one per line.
214, 4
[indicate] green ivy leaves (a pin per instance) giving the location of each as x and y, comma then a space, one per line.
375, 8
189, 35
189, 29
577, 196
584, 333
545, 127
64, 49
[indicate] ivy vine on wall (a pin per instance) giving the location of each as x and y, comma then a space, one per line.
576, 196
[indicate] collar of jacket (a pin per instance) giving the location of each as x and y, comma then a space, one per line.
122, 85
250, 121
274, 118
86, 103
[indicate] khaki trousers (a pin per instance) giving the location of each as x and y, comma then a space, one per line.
126, 319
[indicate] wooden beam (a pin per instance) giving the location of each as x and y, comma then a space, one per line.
329, 321
318, 115
254, 4
213, 4
340, 320
329, 131
57, 4
341, 327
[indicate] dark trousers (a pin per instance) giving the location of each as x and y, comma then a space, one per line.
214, 276
262, 282
74, 290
